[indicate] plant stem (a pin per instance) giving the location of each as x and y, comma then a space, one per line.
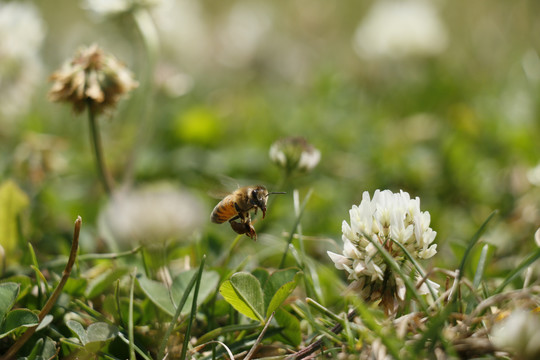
95, 139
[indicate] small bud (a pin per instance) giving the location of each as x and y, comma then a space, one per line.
294, 153
91, 78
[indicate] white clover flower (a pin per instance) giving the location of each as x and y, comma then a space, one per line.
294, 153
22, 31
114, 7
398, 29
151, 215
518, 334
389, 218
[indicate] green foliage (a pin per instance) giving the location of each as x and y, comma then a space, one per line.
217, 86
12, 202
258, 299
167, 299
13, 320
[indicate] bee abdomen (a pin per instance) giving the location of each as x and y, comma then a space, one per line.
223, 212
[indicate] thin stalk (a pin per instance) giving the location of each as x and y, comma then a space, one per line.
296, 223
259, 338
143, 101
95, 139
131, 335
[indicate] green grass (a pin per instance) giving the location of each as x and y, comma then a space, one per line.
458, 129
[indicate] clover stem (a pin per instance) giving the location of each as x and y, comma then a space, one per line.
95, 139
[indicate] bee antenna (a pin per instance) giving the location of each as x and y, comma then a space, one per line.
276, 192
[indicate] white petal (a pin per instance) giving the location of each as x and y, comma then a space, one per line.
339, 260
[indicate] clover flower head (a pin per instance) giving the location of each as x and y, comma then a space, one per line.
22, 30
401, 29
92, 78
116, 7
151, 215
294, 153
388, 218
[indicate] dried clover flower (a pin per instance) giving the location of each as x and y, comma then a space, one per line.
388, 219
92, 78
294, 153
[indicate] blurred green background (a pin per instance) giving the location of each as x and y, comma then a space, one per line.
438, 98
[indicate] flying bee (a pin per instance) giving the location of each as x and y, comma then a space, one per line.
238, 205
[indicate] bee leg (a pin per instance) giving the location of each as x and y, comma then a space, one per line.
251, 232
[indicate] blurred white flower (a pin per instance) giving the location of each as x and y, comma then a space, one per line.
533, 175
172, 81
184, 33
294, 153
115, 7
388, 218
537, 237
397, 29
242, 31
151, 215
518, 334
22, 31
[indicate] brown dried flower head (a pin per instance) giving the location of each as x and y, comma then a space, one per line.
92, 78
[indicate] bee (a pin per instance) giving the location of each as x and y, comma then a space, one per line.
238, 205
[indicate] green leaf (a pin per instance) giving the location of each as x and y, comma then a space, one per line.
12, 201
262, 275
24, 282
47, 319
101, 332
44, 348
75, 286
98, 285
291, 327
17, 319
8, 295
278, 288
78, 329
243, 291
37, 348
159, 294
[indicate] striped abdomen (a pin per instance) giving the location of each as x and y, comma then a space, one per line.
224, 210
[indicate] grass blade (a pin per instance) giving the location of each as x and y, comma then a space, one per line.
418, 268
193, 310
524, 264
473, 242
179, 308
480, 267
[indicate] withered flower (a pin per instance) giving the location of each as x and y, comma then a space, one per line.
92, 78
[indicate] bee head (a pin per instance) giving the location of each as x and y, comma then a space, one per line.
258, 197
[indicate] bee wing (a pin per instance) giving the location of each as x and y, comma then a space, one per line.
218, 194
